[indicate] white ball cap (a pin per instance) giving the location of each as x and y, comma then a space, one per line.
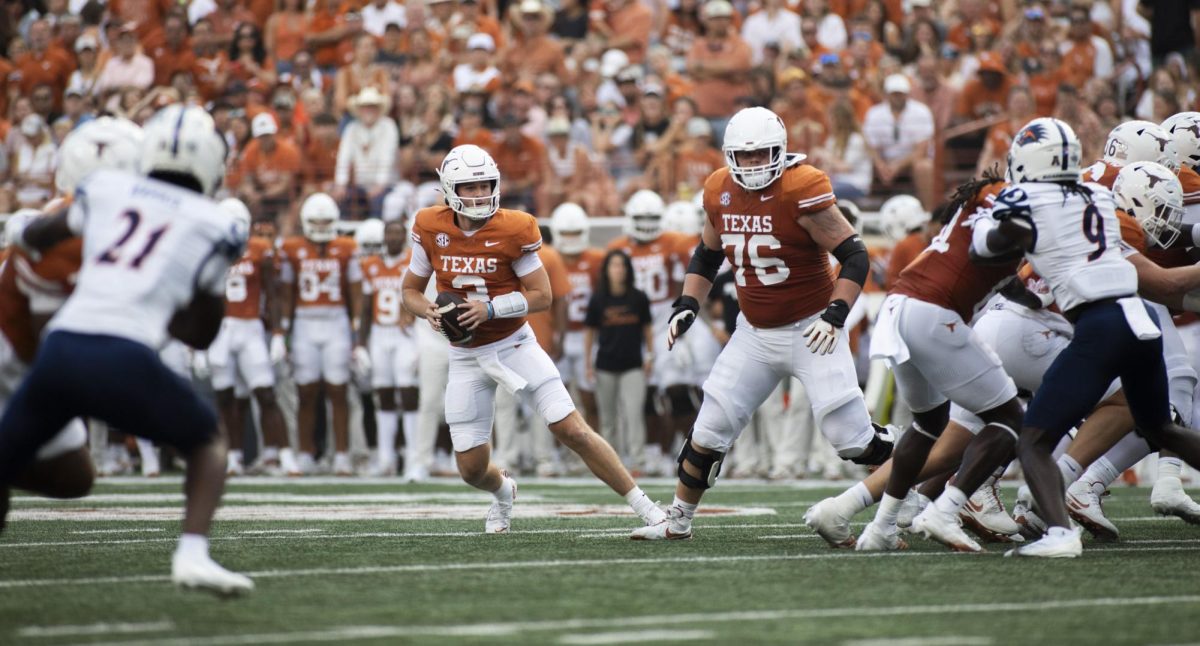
897, 83
262, 125
481, 41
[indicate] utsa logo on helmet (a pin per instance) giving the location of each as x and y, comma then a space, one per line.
1031, 134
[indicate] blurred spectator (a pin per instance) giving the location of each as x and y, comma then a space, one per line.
984, 96
691, 163
42, 101
572, 175
973, 23
533, 50
845, 157
1020, 110
471, 20
1085, 55
806, 122
624, 25
144, 15
76, 107
226, 19
1172, 26
366, 160
478, 73
899, 134
326, 29
719, 61
774, 23
1071, 108
831, 29
571, 21
211, 72
362, 72
171, 51
127, 68
320, 155
378, 14
523, 160
941, 99
682, 26
248, 60
33, 163
45, 63
471, 130
269, 166
422, 68
283, 35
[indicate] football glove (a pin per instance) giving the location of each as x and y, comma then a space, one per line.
682, 318
278, 349
822, 334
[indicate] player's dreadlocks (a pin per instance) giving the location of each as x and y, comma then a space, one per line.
969, 189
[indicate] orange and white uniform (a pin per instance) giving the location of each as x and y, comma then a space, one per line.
393, 344
583, 271
658, 268
1102, 173
482, 266
784, 281
238, 356
30, 293
321, 334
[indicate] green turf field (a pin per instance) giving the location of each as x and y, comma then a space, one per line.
372, 562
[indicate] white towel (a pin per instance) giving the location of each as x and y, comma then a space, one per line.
1138, 318
886, 342
511, 381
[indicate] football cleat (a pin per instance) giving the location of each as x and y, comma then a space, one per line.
1169, 499
206, 574
341, 465
914, 503
1083, 505
233, 464
305, 465
1058, 543
824, 519
985, 516
875, 538
499, 516
151, 467
415, 474
675, 527
945, 529
288, 463
1032, 525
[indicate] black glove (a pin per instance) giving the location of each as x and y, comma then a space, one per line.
682, 318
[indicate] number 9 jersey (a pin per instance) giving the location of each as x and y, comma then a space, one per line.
781, 275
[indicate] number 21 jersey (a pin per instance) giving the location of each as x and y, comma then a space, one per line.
782, 276
147, 247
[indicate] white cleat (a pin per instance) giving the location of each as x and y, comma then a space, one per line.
914, 503
1059, 543
287, 462
1169, 499
824, 519
985, 516
1084, 507
1032, 525
381, 469
233, 465
674, 527
945, 529
151, 467
415, 474
206, 574
875, 538
342, 465
305, 465
499, 516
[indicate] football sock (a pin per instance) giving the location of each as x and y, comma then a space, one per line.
410, 418
687, 508
640, 502
1070, 469
1170, 467
270, 454
854, 500
505, 492
951, 501
192, 546
889, 508
385, 429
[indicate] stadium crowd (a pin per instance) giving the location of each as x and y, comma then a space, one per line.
589, 104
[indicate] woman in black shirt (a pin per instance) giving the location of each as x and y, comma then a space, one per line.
619, 315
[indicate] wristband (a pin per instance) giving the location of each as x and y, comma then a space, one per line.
510, 306
836, 313
491, 311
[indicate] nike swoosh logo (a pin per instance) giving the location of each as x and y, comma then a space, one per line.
490, 243
764, 198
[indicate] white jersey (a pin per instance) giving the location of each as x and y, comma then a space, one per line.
148, 246
1076, 242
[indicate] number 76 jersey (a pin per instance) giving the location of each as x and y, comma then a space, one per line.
148, 246
782, 276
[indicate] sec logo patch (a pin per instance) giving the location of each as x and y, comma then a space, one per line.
442, 240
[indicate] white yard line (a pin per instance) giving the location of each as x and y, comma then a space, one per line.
125, 530
794, 614
940, 640
636, 637
90, 630
549, 564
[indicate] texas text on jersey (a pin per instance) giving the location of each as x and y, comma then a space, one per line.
782, 276
478, 266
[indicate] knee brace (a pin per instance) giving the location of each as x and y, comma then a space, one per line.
709, 465
877, 451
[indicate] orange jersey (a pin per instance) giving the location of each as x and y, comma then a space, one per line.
1190, 180
782, 275
944, 275
582, 273
1131, 232
905, 251
560, 288
479, 266
381, 281
29, 288
685, 250
244, 280
1102, 173
654, 264
318, 270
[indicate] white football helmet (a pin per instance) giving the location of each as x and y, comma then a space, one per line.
570, 226
105, 143
684, 218
644, 216
1134, 141
240, 213
1151, 193
466, 164
397, 204
1045, 150
318, 217
17, 222
1184, 129
755, 129
182, 139
900, 215
369, 237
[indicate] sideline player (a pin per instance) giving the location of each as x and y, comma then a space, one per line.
322, 285
776, 221
489, 256
570, 226
155, 254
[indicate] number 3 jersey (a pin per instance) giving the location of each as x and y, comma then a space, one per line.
382, 278
488, 262
148, 246
782, 276
244, 282
1076, 240
320, 271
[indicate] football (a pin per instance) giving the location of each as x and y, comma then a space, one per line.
447, 303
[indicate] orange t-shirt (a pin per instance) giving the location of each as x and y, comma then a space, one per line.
523, 162
289, 35
146, 14
50, 68
207, 72
325, 55
1078, 63
633, 20
320, 162
481, 137
266, 168
560, 288
479, 266
692, 167
382, 280
715, 97
530, 58
168, 62
978, 101
244, 281
320, 271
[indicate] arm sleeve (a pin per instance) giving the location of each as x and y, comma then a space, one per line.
419, 263
526, 264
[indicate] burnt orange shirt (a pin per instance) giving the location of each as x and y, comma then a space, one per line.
633, 20
206, 72
533, 57
51, 68
692, 167
526, 161
320, 271
6, 70
905, 251
264, 167
481, 137
560, 288
147, 14
244, 281
715, 97
583, 271
978, 101
382, 280
320, 162
168, 62
1078, 63
654, 264
28, 288
479, 266
325, 55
